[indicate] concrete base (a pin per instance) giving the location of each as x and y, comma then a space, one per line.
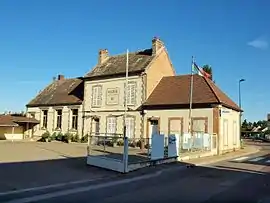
196, 156
118, 165
107, 163
136, 166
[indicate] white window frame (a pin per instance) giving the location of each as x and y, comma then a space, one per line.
97, 96
111, 125
45, 118
131, 93
59, 119
74, 119
130, 127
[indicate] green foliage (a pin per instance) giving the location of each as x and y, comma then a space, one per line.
208, 69
59, 136
53, 136
75, 138
248, 126
120, 142
67, 137
84, 138
45, 135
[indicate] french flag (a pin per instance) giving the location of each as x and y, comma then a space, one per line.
201, 72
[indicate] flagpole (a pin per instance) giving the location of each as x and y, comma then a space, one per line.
126, 87
190, 96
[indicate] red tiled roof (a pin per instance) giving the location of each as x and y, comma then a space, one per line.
8, 120
175, 90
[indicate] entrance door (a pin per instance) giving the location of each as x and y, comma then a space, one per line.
153, 127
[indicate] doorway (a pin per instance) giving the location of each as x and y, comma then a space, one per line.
96, 126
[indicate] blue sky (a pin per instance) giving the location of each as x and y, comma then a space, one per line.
40, 39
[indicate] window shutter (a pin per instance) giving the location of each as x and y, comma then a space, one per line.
130, 127
111, 125
132, 94
97, 96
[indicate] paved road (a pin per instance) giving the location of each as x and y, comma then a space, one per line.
239, 179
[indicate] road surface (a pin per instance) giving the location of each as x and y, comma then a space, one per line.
245, 179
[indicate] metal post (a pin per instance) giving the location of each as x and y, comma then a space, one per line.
190, 96
125, 152
240, 106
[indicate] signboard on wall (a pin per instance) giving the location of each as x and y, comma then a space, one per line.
224, 111
112, 96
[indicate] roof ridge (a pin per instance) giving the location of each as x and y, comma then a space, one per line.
207, 82
132, 52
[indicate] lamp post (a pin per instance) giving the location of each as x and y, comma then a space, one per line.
240, 116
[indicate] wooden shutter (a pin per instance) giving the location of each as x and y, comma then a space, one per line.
130, 127
111, 125
131, 93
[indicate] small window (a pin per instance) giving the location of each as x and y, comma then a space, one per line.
131, 93
97, 96
59, 119
111, 125
75, 119
45, 119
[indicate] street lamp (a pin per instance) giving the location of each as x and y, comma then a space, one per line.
241, 80
239, 97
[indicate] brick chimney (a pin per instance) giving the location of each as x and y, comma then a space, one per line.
61, 77
103, 55
157, 44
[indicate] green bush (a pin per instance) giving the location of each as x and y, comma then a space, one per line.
45, 135
66, 137
59, 136
75, 138
120, 142
84, 139
53, 136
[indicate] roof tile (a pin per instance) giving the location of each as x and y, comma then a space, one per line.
60, 92
175, 90
114, 65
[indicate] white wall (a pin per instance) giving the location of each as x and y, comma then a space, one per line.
111, 83
232, 140
51, 125
114, 110
164, 116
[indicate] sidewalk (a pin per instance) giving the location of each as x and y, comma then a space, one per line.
212, 159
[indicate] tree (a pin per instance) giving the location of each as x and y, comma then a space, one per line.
208, 69
245, 124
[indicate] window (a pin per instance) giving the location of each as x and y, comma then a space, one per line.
111, 125
234, 132
59, 119
130, 127
131, 93
75, 119
45, 119
225, 132
96, 96
199, 124
175, 126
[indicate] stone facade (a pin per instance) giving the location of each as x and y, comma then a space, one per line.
51, 126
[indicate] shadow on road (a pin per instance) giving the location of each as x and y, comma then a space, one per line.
181, 180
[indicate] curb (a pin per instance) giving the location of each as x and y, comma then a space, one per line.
227, 158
